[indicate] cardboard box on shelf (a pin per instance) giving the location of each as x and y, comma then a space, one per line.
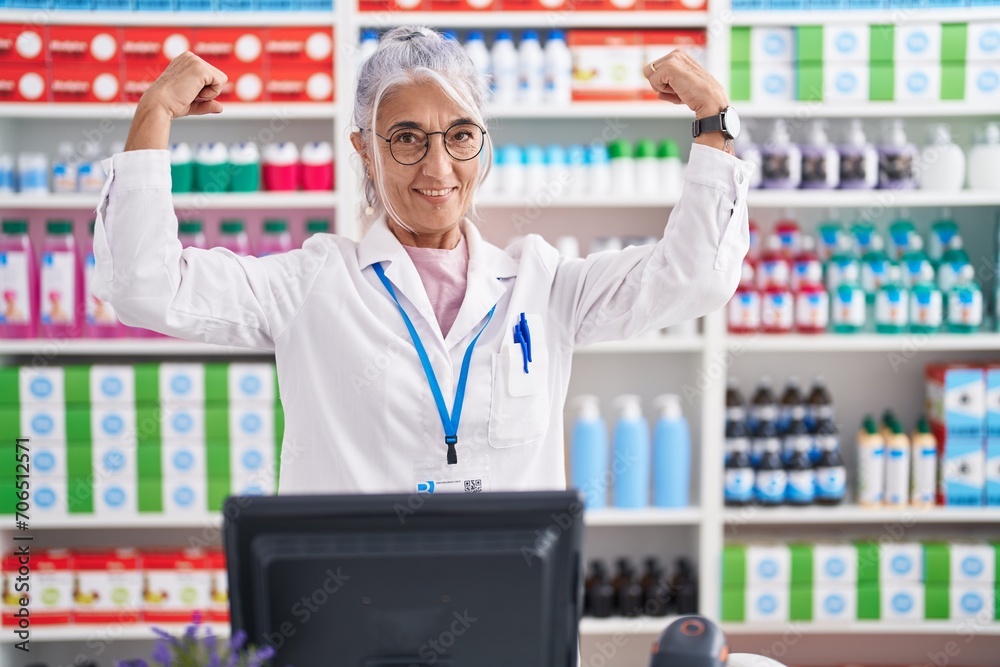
993, 435
607, 65
250, 382
218, 604
224, 47
916, 80
956, 405
42, 385
772, 44
393, 5
972, 601
834, 603
298, 47
846, 43
20, 43
112, 384
146, 51
115, 495
299, 84
846, 82
917, 41
982, 83
983, 40
185, 494
176, 584
45, 583
108, 586
775, 82
48, 496
84, 45
183, 384
463, 5
245, 84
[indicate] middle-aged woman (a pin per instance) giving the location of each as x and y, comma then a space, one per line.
421, 355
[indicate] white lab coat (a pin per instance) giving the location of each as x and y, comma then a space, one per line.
358, 410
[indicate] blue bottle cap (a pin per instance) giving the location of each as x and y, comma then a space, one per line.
555, 33
504, 34
369, 34
533, 154
598, 154
510, 154
450, 35
529, 34
576, 154
555, 155
474, 35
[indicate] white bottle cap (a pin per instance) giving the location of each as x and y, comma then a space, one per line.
817, 134
926, 274
940, 134
895, 135
966, 273
669, 406
991, 134
779, 135
279, 154
956, 243
180, 153
212, 153
916, 242
856, 133
588, 407
877, 242
65, 149
629, 407
317, 153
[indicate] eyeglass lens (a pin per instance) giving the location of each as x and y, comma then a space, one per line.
463, 142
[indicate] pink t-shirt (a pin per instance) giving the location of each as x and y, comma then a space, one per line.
443, 273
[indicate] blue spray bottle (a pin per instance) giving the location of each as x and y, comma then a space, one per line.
671, 454
589, 453
630, 465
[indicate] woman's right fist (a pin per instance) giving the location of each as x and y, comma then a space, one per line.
187, 87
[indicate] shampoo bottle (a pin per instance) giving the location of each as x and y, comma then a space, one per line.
942, 163
820, 160
858, 160
671, 454
589, 453
983, 160
896, 158
631, 447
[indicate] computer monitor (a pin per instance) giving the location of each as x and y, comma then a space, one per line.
452, 580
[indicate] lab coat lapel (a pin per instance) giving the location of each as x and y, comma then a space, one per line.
381, 245
483, 290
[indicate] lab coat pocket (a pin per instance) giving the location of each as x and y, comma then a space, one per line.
734, 236
519, 410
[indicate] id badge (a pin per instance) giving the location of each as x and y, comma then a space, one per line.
469, 475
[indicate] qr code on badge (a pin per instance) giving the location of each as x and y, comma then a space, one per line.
473, 486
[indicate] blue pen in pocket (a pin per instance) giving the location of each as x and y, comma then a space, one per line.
522, 337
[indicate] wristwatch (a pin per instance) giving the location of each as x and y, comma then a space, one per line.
727, 122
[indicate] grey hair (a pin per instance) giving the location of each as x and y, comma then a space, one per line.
408, 55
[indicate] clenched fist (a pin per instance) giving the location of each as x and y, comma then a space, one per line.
678, 78
187, 87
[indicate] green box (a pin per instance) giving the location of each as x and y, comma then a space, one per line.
882, 47
216, 383
739, 82
954, 42
800, 603
734, 604
809, 44
802, 565
809, 82
937, 563
739, 44
868, 562
77, 385
147, 384
869, 602
937, 602
10, 385
734, 566
882, 82
953, 81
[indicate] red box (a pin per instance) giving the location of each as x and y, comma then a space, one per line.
108, 586
674, 5
176, 585
393, 5
224, 47
289, 47
299, 84
23, 44
152, 49
23, 82
84, 45
86, 83
50, 571
245, 84
218, 606
464, 5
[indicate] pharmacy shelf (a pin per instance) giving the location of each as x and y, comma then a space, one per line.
231, 111
650, 344
956, 628
903, 343
87, 522
867, 16
555, 18
847, 515
594, 110
800, 112
688, 516
120, 347
204, 200
109, 631
870, 198
619, 625
159, 19
546, 198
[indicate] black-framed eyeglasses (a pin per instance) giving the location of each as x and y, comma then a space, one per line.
408, 145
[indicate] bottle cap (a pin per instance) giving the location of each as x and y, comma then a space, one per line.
668, 148
533, 154
369, 34
510, 154
630, 406
966, 273
317, 225
868, 424
504, 35
817, 133
922, 425
450, 35
555, 33
232, 226
59, 227
940, 133
598, 154
475, 35
855, 133
555, 155
588, 407
276, 226
529, 34
669, 406
645, 148
189, 227
895, 135
15, 226
576, 154
619, 148
991, 134
779, 134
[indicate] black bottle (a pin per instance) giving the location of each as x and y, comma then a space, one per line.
801, 475
791, 398
797, 435
652, 572
623, 577
770, 479
684, 584
831, 474
602, 599
763, 398
659, 598
630, 600
764, 433
819, 403
596, 575
739, 477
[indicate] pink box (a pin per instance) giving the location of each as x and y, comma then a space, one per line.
23, 82
84, 45
23, 44
86, 83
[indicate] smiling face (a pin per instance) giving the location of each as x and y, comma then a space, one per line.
429, 197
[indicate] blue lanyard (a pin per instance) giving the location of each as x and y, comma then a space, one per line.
450, 423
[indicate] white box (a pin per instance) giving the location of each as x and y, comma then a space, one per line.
115, 495
40, 421
110, 591
112, 384
917, 42
113, 459
183, 424
843, 43
835, 564
42, 385
835, 603
982, 81
773, 82
47, 459
972, 564
982, 41
48, 497
260, 483
768, 565
185, 494
902, 602
771, 45
251, 422
917, 81
253, 457
846, 82
972, 601
114, 423
182, 384
251, 383
901, 562
187, 458
767, 603
179, 591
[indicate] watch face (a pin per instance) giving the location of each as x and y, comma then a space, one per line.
731, 123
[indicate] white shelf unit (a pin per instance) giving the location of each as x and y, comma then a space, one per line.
200, 200
706, 358
850, 515
143, 18
865, 16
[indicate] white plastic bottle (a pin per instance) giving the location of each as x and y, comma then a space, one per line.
858, 159
510, 164
369, 43
475, 46
64, 171
531, 70
747, 150
820, 160
598, 170
505, 70
558, 69
942, 163
983, 160
647, 169
622, 168
90, 173
535, 172
782, 160
576, 159
672, 169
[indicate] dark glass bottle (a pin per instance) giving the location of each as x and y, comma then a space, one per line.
770, 480
791, 398
819, 403
831, 474
595, 576
763, 398
801, 475
739, 478
684, 584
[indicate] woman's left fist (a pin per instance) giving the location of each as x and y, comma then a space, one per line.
678, 78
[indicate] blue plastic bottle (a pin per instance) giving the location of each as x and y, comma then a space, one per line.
630, 465
671, 454
589, 453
